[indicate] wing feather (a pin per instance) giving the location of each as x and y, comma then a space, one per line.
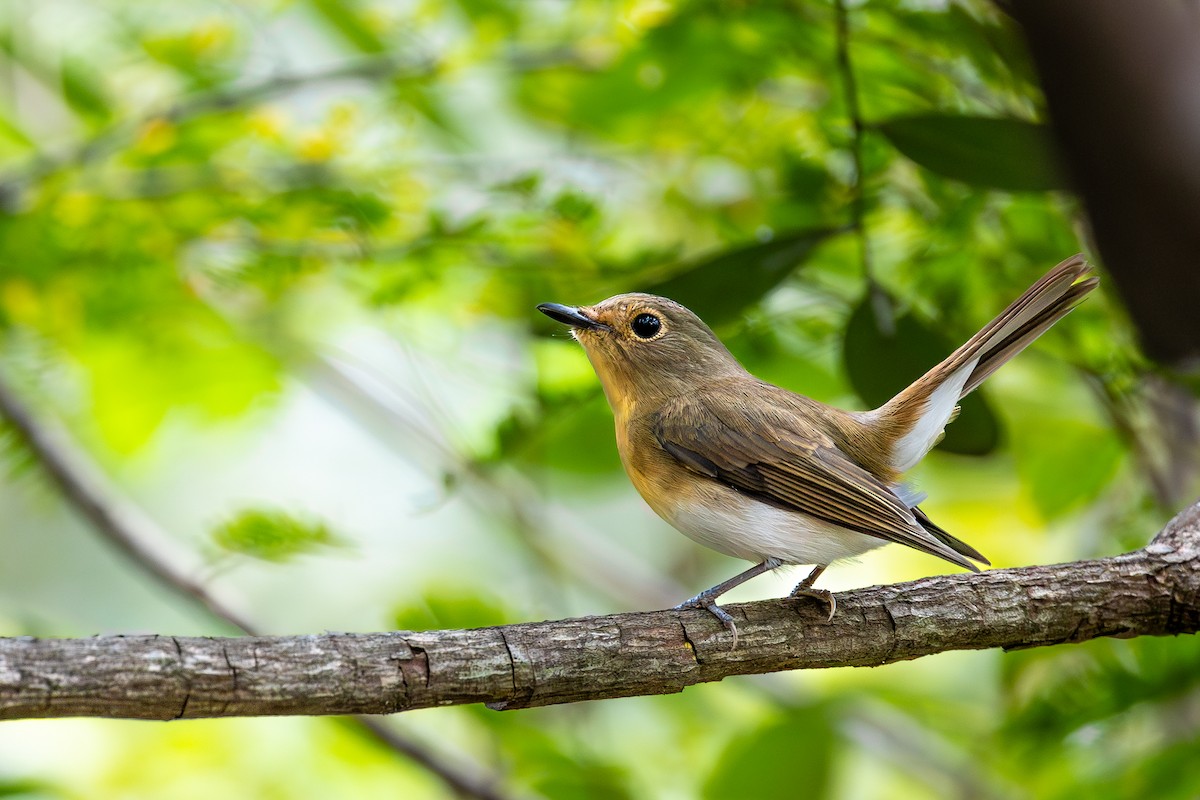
766, 449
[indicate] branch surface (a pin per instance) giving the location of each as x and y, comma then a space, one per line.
1154, 591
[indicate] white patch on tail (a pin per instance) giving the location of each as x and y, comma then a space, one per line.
913, 446
909, 494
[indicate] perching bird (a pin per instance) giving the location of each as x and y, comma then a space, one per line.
758, 472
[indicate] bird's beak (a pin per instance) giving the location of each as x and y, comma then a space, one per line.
570, 315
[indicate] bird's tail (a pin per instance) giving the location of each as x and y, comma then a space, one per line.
916, 417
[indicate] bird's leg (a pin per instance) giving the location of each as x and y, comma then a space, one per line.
708, 598
805, 589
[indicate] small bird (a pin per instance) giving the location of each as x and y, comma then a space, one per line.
760, 473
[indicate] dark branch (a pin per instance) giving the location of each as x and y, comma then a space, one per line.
1154, 591
1120, 80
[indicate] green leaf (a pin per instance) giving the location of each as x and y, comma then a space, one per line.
574, 207
192, 360
1065, 462
29, 788
567, 778
17, 459
273, 535
448, 610
719, 287
83, 92
10, 131
1102, 679
347, 20
1008, 154
782, 760
879, 365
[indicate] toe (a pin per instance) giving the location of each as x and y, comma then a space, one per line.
725, 619
824, 595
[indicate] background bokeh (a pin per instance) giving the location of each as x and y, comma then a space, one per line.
274, 265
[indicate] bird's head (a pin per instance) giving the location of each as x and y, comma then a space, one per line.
645, 348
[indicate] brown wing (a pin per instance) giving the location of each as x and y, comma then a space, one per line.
766, 449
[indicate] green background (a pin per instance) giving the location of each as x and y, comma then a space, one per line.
274, 265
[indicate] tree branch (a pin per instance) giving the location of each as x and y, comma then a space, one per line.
1154, 591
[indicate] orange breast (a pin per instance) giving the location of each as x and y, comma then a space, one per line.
659, 479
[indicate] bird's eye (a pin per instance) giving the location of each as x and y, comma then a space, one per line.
646, 325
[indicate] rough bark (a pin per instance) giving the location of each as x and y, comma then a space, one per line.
1154, 591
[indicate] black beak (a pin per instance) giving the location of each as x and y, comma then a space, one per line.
570, 315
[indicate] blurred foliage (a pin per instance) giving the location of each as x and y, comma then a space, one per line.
1002, 153
780, 758
272, 535
204, 205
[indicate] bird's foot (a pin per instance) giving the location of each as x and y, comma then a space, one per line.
707, 601
805, 589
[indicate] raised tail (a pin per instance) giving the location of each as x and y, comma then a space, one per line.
916, 417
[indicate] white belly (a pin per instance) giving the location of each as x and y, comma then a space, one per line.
749, 529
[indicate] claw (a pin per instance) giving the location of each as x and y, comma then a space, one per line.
708, 598
824, 595
708, 603
805, 589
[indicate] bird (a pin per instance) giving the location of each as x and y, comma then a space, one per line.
761, 473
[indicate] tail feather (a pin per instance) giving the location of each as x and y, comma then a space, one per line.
953, 542
1000, 352
916, 417
1025, 319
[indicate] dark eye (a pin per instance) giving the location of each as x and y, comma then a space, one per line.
646, 325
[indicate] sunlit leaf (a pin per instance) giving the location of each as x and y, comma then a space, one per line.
83, 91
1009, 154
346, 18
138, 380
12, 133
880, 364
446, 610
273, 535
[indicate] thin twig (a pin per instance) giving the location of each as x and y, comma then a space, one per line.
123, 525
880, 303
858, 208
